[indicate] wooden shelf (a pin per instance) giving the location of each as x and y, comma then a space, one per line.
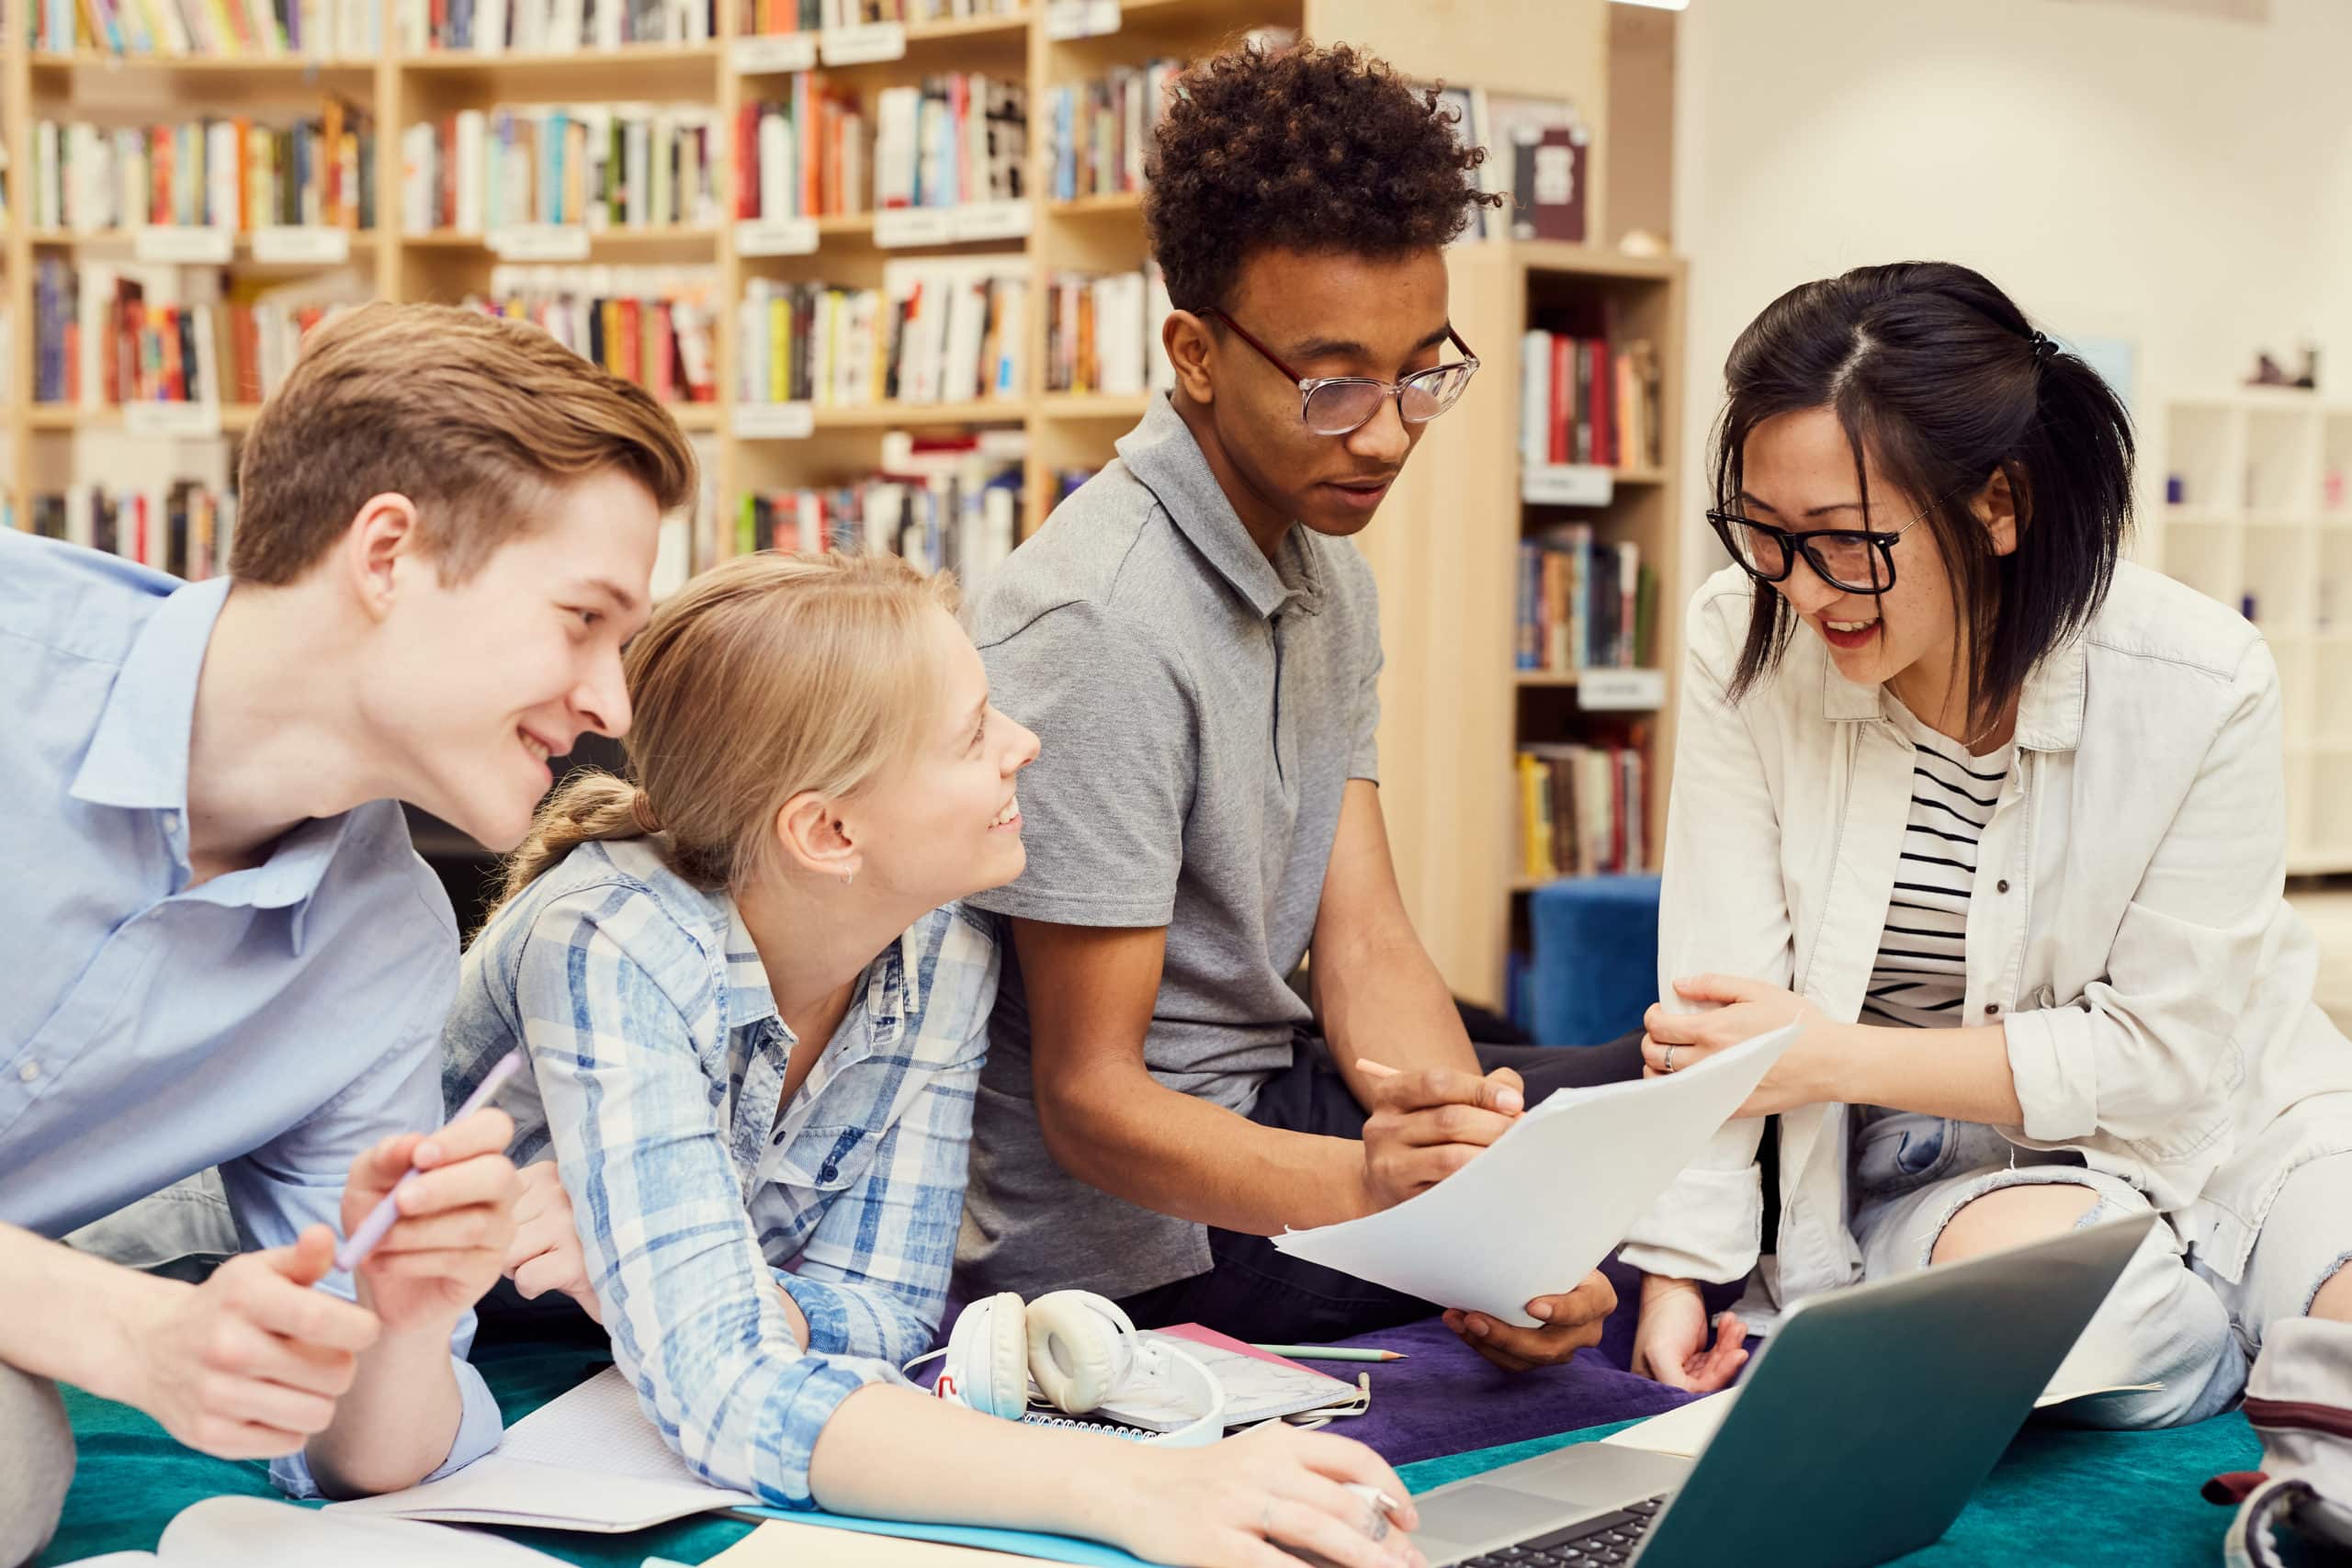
887, 415
1550, 256
1129, 407
467, 63
599, 240
1118, 204
961, 28
231, 65
1541, 679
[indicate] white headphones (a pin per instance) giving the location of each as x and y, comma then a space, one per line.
1078, 1350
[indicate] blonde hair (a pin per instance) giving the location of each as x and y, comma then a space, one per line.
476, 420
762, 678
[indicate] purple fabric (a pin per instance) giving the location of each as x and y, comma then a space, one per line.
1446, 1399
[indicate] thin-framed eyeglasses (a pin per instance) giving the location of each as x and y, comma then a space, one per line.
1336, 405
1856, 560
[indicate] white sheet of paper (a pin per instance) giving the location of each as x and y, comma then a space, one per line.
1535, 1212
237, 1532
586, 1461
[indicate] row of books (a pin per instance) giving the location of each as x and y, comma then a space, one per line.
183, 528
1583, 603
106, 336
938, 331
801, 156
1583, 399
602, 165
951, 141
943, 505
654, 326
230, 173
813, 16
1583, 810
337, 30
1537, 155
1102, 129
1103, 333
550, 26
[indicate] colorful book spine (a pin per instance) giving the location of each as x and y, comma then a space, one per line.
479, 171
653, 326
228, 173
1101, 131
939, 331
1583, 810
1586, 401
186, 527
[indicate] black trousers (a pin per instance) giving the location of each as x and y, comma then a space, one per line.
1253, 1291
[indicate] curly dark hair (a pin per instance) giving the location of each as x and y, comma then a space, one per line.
1300, 148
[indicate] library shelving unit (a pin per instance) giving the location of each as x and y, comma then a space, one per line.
1445, 550
2263, 522
1448, 583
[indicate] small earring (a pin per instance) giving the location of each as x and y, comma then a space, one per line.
849, 878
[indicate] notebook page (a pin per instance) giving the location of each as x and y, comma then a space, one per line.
597, 1427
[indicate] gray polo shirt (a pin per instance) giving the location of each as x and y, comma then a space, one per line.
1202, 710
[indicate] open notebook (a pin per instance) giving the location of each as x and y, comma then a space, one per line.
238, 1532
586, 1461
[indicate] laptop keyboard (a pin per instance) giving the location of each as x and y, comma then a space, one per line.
1588, 1543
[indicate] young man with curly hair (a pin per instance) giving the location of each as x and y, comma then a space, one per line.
1199, 650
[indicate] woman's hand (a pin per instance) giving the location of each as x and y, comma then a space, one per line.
1670, 1340
1805, 1074
546, 1253
1235, 1504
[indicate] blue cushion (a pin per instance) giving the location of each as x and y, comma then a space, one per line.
1593, 967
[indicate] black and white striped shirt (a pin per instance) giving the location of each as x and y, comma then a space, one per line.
1920, 980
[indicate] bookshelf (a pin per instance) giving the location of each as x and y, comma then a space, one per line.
2248, 499
1443, 550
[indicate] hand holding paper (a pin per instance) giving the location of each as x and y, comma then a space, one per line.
1546, 1201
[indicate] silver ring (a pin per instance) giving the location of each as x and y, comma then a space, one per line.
1376, 1521
1665, 1063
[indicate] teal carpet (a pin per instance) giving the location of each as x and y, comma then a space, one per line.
2086, 1498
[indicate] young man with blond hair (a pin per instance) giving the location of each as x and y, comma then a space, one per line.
223, 949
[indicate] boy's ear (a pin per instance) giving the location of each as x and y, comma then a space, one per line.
383, 532
1186, 338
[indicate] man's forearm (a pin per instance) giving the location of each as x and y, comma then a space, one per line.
1136, 1139
398, 1422
67, 1316
1387, 1000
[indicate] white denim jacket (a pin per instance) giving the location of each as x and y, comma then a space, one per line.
2127, 927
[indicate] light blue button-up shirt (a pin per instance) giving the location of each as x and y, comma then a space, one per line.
275, 1022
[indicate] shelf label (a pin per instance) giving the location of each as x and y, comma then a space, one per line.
1067, 20
309, 244
775, 422
1569, 484
181, 422
866, 44
183, 245
896, 226
771, 54
1621, 691
775, 236
540, 242
992, 220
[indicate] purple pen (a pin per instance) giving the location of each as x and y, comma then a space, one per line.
381, 1219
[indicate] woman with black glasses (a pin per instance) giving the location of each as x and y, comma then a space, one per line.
2000, 818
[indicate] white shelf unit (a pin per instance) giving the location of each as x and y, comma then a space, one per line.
2248, 498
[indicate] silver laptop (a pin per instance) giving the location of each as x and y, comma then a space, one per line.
1859, 1434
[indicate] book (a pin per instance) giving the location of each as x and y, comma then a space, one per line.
944, 504
1103, 333
950, 142
235, 174
1583, 810
1585, 399
771, 17
184, 527
938, 329
107, 333
591, 165
553, 26
1100, 129
312, 30
653, 326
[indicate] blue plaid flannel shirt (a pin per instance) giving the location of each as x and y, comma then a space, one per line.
658, 1062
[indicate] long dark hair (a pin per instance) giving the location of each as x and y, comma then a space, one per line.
1942, 378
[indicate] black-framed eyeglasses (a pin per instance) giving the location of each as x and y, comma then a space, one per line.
1337, 405
1857, 561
